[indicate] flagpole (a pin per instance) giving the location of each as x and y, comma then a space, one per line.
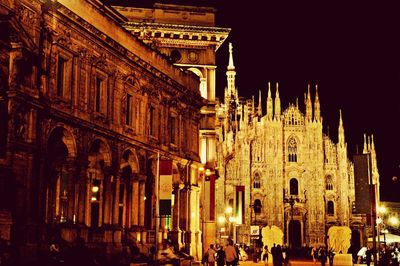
157, 214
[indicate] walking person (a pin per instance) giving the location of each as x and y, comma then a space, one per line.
331, 255
368, 255
322, 255
265, 255
211, 255
220, 256
231, 255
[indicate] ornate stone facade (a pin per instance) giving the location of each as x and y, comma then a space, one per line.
189, 37
280, 169
85, 108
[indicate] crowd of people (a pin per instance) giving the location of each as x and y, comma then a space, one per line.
231, 254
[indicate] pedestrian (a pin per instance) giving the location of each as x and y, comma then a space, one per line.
331, 254
314, 254
322, 255
368, 255
273, 253
265, 255
231, 254
211, 255
278, 258
220, 256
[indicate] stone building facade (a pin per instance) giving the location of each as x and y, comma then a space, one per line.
85, 110
280, 169
189, 36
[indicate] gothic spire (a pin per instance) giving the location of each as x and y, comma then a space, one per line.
308, 104
341, 130
231, 66
231, 73
372, 143
317, 108
277, 103
269, 102
365, 150
259, 111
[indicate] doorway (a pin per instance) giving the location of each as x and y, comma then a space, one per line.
295, 234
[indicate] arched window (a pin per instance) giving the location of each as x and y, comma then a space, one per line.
329, 183
294, 186
292, 150
331, 208
257, 181
257, 206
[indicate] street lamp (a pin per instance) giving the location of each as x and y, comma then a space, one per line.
291, 200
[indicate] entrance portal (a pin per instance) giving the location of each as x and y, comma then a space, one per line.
294, 234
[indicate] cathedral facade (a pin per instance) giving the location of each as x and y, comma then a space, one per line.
280, 170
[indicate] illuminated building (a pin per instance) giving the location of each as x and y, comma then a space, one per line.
280, 169
189, 37
85, 107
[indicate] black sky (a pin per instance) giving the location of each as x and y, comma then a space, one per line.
350, 49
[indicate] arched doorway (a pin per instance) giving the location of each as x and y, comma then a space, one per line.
294, 234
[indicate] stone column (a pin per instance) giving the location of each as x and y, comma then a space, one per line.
135, 206
116, 201
108, 207
211, 84
141, 202
70, 167
80, 208
176, 232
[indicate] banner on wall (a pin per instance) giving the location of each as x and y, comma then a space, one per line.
165, 187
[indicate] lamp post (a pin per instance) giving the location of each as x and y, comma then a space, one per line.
291, 200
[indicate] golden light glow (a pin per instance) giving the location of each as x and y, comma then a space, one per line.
208, 172
378, 220
221, 219
93, 199
95, 189
394, 221
382, 209
229, 210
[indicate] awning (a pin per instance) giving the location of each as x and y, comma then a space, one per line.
390, 238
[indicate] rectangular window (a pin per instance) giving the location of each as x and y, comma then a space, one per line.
128, 111
61, 66
101, 96
152, 125
172, 128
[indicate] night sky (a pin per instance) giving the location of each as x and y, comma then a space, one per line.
351, 50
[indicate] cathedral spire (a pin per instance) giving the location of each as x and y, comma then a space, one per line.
308, 104
372, 143
231, 73
259, 111
341, 130
365, 150
269, 102
231, 66
277, 103
317, 108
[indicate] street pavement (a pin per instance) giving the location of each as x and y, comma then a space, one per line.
291, 263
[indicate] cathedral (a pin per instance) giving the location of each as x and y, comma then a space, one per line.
280, 170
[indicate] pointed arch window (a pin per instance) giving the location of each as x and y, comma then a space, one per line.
331, 208
257, 181
328, 183
292, 150
294, 186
